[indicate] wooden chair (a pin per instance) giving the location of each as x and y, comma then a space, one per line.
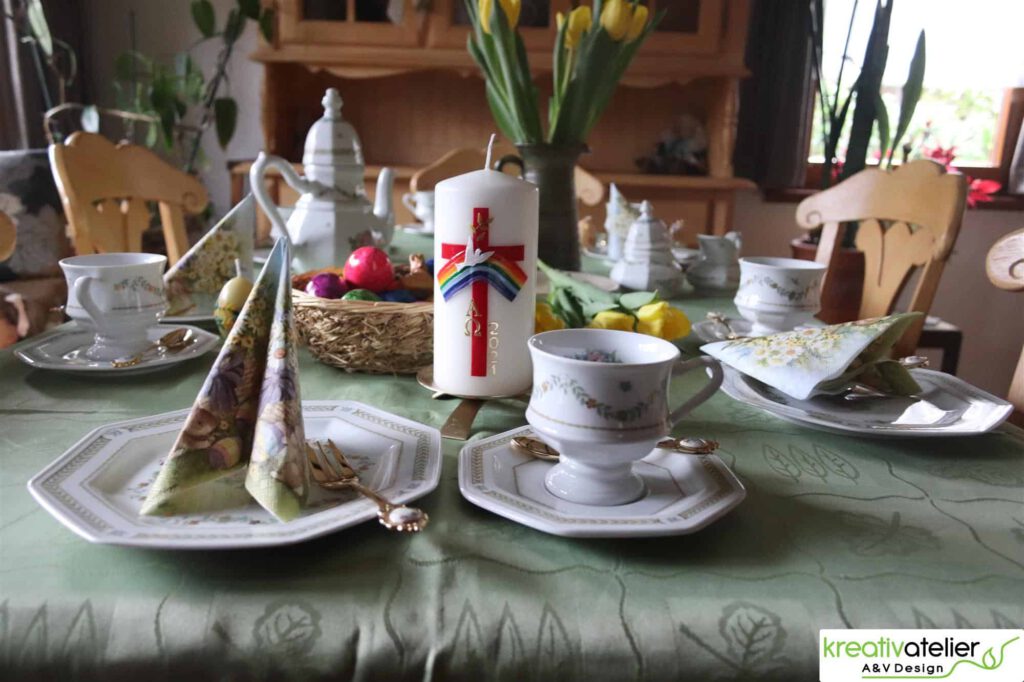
105, 188
908, 221
589, 189
1005, 268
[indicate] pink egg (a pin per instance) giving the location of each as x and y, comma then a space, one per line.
369, 268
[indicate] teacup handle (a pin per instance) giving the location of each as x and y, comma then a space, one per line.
82, 289
409, 199
715, 381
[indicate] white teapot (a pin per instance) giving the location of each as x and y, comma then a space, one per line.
333, 217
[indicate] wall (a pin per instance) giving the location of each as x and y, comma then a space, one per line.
992, 320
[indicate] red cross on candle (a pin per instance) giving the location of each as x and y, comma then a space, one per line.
477, 322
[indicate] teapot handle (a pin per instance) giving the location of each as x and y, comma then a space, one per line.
259, 188
510, 160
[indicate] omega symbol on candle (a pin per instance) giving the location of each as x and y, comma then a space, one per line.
481, 266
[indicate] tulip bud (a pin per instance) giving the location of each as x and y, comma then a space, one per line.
579, 23
511, 8
638, 23
616, 17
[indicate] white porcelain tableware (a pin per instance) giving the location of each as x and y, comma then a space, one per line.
62, 350
684, 493
333, 215
946, 406
117, 296
717, 270
647, 263
97, 487
600, 397
421, 204
778, 294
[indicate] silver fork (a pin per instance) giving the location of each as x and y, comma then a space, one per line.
332, 471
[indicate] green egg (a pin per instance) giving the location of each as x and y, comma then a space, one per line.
360, 295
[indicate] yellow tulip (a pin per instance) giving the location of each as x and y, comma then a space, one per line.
612, 319
579, 23
662, 320
510, 7
545, 320
616, 18
637, 24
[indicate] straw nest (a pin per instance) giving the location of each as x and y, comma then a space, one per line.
366, 336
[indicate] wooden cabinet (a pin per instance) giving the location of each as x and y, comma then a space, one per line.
413, 92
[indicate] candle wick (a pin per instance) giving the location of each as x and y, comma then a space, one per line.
490, 150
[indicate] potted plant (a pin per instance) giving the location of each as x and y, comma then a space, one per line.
593, 47
869, 117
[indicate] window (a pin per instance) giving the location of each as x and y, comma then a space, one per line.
973, 97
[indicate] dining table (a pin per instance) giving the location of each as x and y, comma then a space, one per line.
836, 531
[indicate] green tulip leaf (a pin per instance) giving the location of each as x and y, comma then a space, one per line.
638, 299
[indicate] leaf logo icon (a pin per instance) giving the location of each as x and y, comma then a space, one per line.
988, 660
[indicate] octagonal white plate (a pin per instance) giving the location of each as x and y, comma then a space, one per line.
684, 492
947, 406
61, 348
97, 487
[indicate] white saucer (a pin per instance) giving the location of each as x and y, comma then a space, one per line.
684, 492
599, 253
710, 331
416, 228
97, 487
61, 348
947, 406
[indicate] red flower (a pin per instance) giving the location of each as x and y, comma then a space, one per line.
980, 190
944, 156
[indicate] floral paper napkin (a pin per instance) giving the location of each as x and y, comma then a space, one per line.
823, 360
248, 414
194, 282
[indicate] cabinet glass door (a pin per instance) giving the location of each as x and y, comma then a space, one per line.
536, 23
349, 22
689, 26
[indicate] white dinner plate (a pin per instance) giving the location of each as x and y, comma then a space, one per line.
946, 406
97, 487
684, 492
61, 350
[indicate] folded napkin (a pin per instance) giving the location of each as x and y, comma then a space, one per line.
248, 414
194, 282
823, 360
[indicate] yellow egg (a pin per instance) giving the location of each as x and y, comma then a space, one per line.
229, 303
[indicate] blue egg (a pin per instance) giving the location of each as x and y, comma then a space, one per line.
430, 265
398, 296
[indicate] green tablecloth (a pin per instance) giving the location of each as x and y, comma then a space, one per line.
835, 532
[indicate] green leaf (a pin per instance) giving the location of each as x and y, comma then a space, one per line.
637, 299
882, 119
203, 17
90, 119
225, 117
592, 308
267, 25
249, 8
911, 93
152, 135
39, 26
868, 85
233, 27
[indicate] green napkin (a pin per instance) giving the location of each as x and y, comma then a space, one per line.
248, 414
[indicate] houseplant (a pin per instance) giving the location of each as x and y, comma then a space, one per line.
841, 302
593, 47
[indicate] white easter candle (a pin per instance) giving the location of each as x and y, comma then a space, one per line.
485, 264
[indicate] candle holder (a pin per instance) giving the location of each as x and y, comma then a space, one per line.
459, 424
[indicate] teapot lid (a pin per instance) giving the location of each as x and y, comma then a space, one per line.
331, 140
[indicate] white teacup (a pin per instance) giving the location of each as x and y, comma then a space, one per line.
600, 397
422, 206
778, 294
119, 296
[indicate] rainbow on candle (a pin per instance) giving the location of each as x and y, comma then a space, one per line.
500, 272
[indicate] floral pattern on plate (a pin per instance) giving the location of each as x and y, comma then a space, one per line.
248, 412
195, 281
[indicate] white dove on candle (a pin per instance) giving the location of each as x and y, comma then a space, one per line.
473, 256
